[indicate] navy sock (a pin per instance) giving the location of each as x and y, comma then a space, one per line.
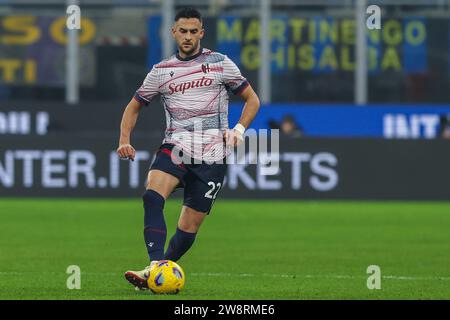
179, 244
155, 230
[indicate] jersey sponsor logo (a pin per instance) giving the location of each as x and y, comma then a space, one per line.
206, 68
183, 87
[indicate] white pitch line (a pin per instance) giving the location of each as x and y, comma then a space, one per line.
246, 275
392, 277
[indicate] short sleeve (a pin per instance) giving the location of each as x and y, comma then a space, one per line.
149, 88
232, 77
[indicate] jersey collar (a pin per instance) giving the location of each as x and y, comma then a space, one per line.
191, 57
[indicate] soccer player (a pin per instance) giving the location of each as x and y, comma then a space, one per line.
193, 85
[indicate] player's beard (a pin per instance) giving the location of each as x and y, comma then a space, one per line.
190, 51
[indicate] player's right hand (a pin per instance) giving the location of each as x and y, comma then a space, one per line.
233, 137
126, 151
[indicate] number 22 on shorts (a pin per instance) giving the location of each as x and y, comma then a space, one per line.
212, 193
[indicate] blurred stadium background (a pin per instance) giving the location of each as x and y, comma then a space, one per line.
355, 127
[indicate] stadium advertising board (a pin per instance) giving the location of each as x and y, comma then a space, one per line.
408, 59
377, 121
324, 44
32, 50
74, 166
317, 53
318, 121
315, 44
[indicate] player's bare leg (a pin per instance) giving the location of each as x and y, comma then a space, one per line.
190, 220
188, 225
159, 186
161, 182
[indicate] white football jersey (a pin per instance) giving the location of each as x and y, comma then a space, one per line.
194, 92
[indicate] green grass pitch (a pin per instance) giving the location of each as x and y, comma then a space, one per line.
245, 249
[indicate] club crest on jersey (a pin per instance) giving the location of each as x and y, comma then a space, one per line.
182, 87
205, 68
171, 73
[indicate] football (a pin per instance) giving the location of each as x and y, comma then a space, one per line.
166, 277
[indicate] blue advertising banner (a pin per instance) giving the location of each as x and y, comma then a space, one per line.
325, 44
394, 121
226, 42
30, 118
414, 45
408, 58
154, 52
319, 44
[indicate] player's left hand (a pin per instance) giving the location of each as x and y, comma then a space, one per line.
233, 137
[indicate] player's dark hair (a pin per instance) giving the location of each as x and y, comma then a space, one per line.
187, 13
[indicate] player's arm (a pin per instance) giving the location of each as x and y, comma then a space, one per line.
129, 119
251, 107
143, 96
236, 83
